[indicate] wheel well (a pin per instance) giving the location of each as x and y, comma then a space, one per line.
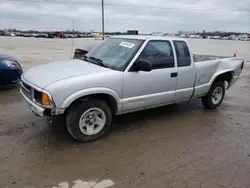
227, 76
111, 101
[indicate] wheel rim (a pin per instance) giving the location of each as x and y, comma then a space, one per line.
217, 95
92, 121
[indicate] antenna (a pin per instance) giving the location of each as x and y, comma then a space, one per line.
73, 39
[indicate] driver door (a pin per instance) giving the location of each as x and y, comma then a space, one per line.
142, 90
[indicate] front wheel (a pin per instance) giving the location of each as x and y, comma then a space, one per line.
214, 96
88, 120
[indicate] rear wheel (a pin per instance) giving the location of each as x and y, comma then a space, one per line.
88, 120
214, 96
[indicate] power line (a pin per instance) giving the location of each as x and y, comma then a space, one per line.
79, 22
131, 6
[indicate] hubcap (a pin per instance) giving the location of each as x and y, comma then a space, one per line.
217, 95
92, 121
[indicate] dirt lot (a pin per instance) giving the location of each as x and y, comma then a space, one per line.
180, 145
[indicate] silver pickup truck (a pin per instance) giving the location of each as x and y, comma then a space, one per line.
125, 74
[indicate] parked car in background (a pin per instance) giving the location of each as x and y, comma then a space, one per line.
100, 36
10, 70
122, 75
41, 35
52, 35
62, 36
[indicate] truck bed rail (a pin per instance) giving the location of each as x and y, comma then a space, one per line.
200, 57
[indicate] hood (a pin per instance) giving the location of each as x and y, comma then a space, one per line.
45, 74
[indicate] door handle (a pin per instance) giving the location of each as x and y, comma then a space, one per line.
174, 74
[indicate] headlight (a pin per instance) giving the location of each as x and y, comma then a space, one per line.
9, 63
42, 98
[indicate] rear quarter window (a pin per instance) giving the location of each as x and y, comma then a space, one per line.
182, 53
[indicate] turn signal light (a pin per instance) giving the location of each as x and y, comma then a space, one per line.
45, 100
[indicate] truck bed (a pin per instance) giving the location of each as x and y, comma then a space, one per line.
200, 57
208, 67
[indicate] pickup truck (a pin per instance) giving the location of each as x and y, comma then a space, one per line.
125, 74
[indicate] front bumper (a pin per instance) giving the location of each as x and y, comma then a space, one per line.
38, 110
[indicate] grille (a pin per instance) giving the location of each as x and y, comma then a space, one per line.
27, 90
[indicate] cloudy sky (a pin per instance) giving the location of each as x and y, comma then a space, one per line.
121, 15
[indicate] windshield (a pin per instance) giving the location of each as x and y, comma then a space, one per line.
116, 53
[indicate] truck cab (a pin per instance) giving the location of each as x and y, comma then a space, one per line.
171, 77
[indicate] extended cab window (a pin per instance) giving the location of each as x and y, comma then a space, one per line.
160, 53
182, 52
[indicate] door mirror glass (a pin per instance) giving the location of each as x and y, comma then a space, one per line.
143, 65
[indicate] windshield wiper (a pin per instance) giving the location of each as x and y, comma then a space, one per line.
98, 61
85, 58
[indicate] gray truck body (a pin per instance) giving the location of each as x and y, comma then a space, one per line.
65, 82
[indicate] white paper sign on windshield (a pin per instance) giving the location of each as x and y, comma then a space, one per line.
127, 44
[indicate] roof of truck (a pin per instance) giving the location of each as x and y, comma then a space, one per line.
145, 37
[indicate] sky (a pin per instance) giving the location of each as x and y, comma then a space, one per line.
168, 16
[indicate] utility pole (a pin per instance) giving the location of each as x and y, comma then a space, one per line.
102, 19
73, 39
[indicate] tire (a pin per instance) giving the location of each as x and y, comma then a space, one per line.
83, 120
211, 100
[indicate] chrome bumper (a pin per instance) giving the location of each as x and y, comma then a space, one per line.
33, 106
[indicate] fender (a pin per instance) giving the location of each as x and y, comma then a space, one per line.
202, 90
90, 91
218, 74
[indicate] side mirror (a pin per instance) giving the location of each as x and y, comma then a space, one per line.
143, 65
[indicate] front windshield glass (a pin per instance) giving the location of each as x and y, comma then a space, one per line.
115, 52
